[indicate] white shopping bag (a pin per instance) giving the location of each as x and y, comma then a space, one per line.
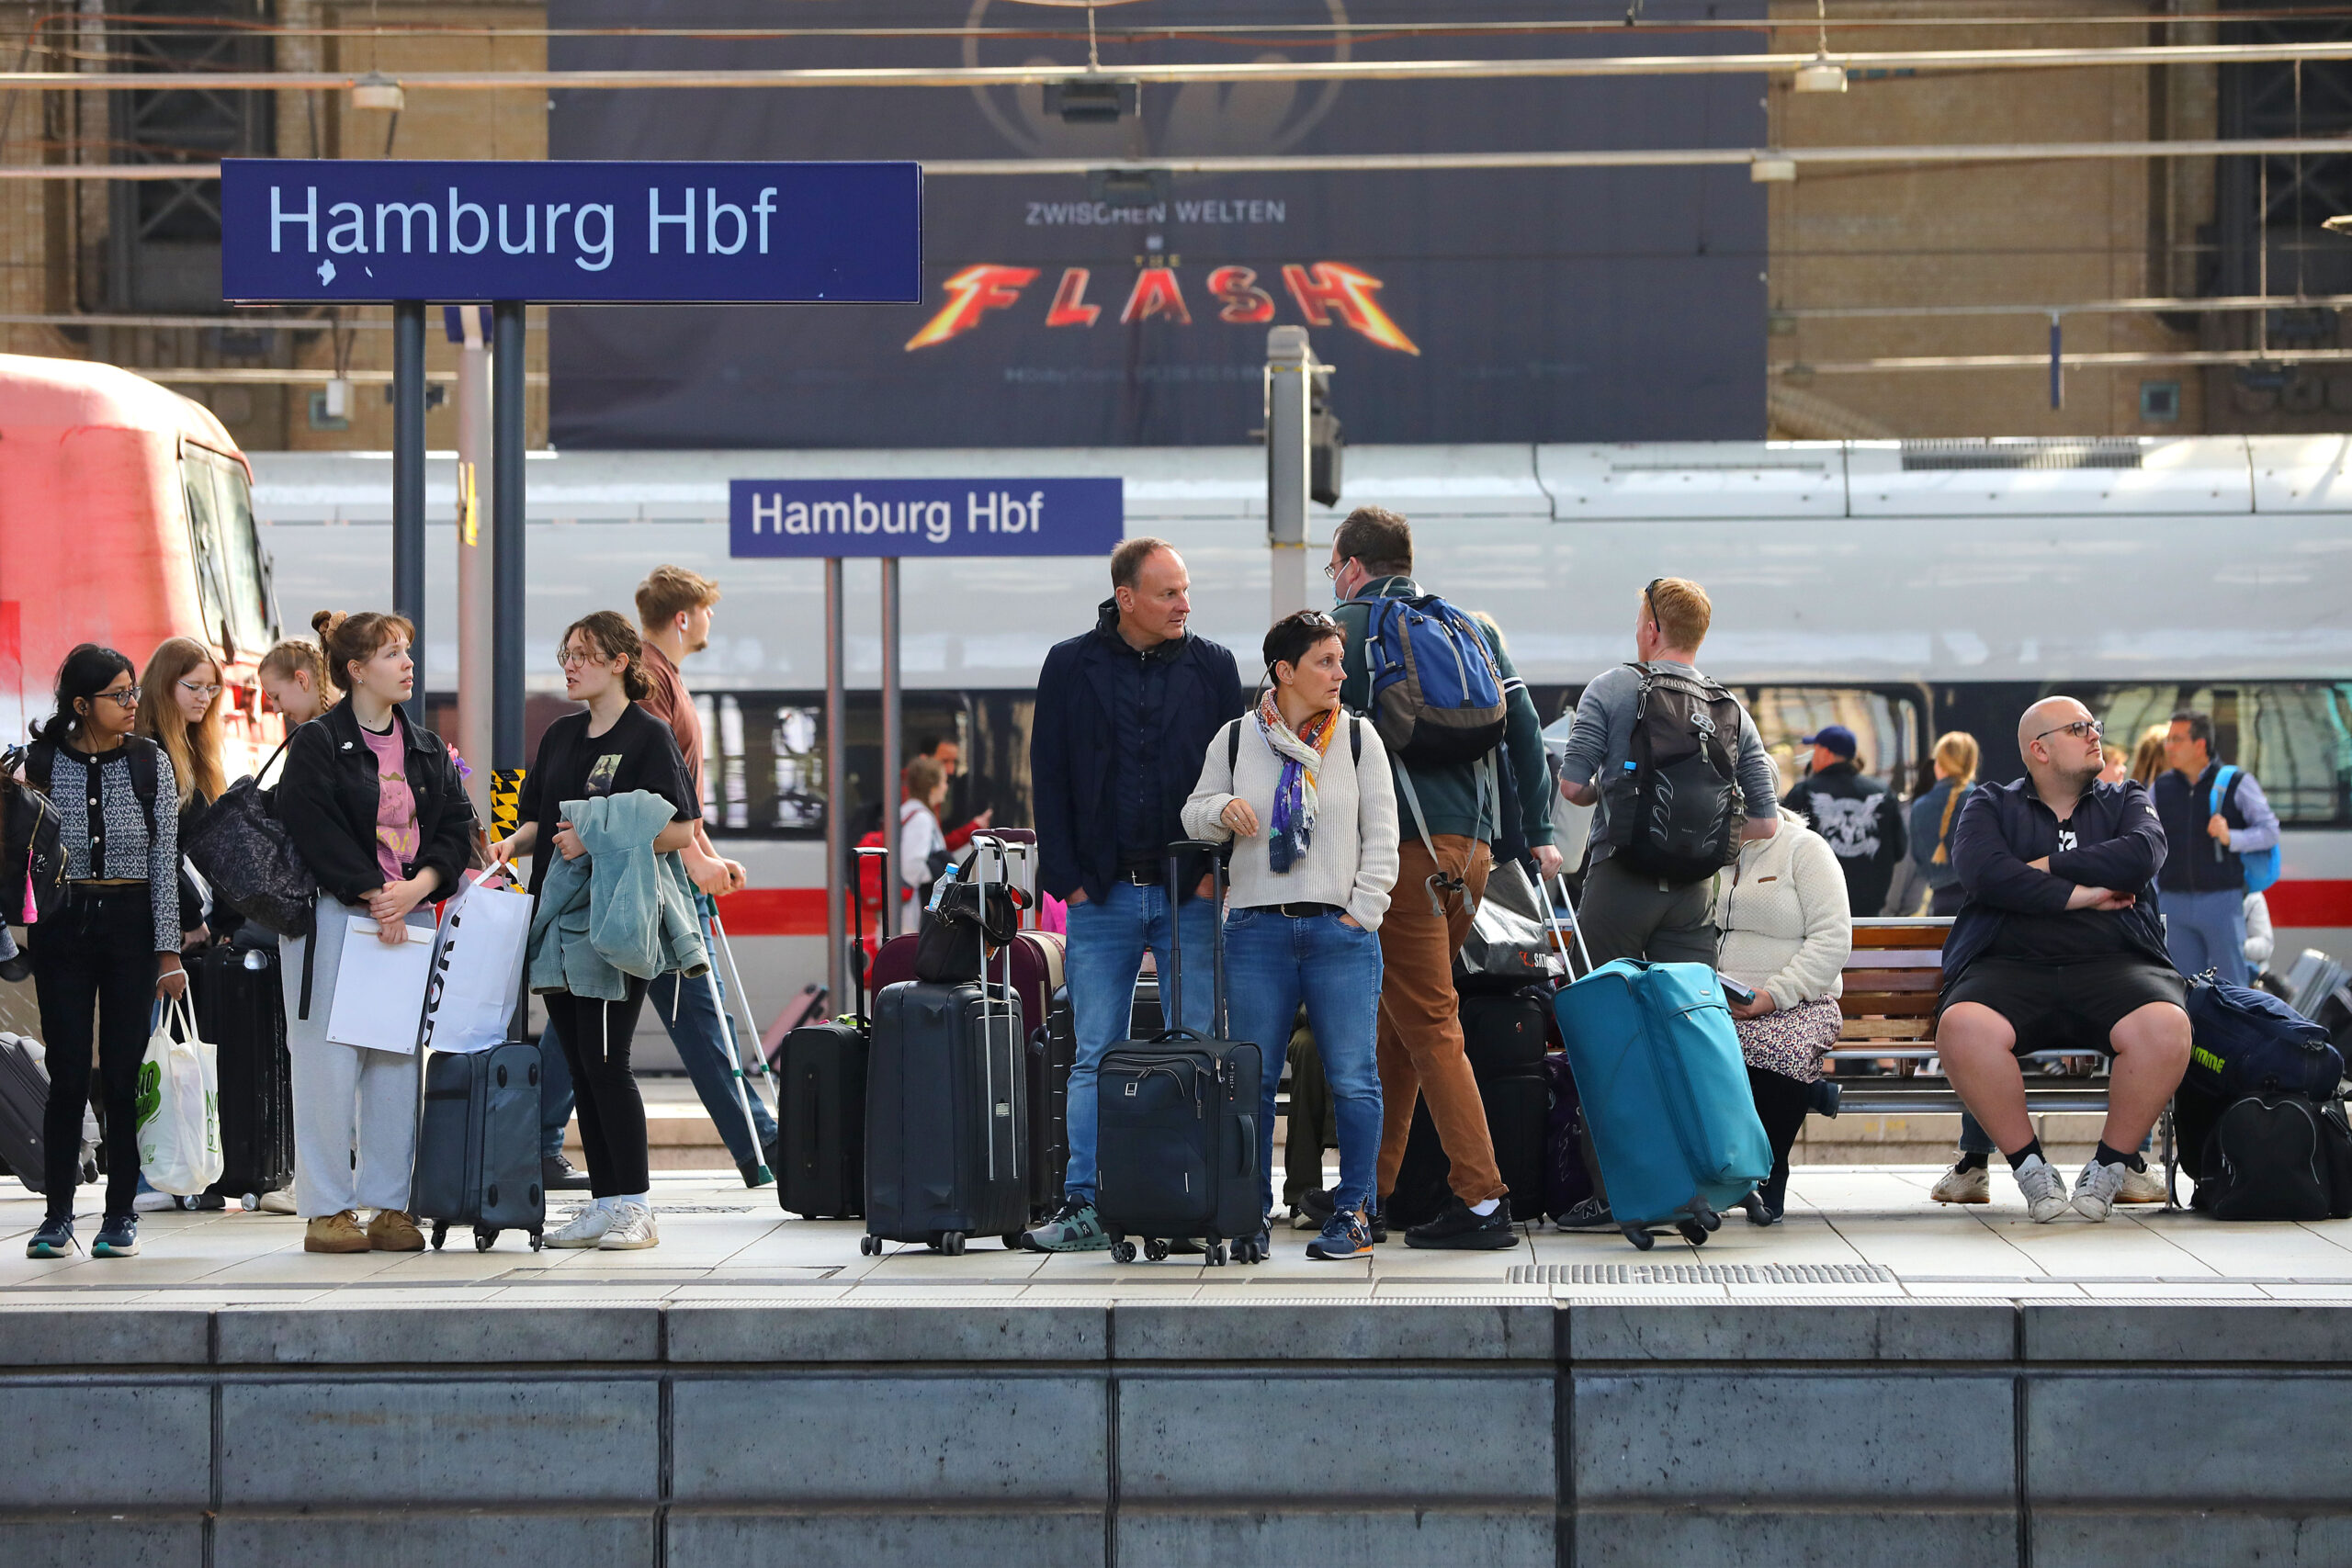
380, 990
476, 970
179, 1107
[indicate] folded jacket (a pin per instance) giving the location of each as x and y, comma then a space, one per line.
618, 911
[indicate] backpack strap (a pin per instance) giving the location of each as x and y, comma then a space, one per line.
1233, 746
1355, 739
146, 776
2223, 782
40, 764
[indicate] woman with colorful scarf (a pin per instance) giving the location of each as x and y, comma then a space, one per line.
1306, 791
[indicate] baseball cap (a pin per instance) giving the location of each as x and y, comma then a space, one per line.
1834, 737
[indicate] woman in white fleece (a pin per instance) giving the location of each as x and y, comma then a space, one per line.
1786, 929
1306, 789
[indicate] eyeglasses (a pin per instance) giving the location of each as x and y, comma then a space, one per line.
572, 656
2081, 729
126, 698
1331, 572
208, 690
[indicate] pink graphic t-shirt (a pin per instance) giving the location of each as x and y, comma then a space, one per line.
396, 837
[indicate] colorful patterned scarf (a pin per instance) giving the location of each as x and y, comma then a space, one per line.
1293, 820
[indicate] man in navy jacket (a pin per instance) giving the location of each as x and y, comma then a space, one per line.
2059, 947
1125, 716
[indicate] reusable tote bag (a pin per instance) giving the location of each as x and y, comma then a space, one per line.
179, 1106
477, 965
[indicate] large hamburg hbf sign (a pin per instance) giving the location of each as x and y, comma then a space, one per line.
925, 517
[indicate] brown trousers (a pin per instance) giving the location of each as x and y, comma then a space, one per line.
1421, 1018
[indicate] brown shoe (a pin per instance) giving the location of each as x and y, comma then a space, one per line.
393, 1230
337, 1232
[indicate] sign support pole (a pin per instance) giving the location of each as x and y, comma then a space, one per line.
836, 846
1290, 373
476, 588
892, 742
408, 483
506, 535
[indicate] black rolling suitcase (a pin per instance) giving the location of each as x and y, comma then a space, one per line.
1053, 1052
819, 1157
477, 1146
947, 1111
24, 1102
241, 1008
1503, 1035
1176, 1124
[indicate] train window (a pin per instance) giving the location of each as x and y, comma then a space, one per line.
1886, 724
230, 584
2294, 735
763, 768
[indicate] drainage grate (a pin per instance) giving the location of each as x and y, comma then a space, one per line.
1700, 1274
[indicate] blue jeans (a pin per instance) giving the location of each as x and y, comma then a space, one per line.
1274, 961
687, 1011
2207, 930
1107, 939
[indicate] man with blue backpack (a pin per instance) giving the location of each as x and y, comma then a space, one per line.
2225, 838
1469, 753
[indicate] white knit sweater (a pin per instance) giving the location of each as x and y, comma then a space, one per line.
1352, 860
1786, 921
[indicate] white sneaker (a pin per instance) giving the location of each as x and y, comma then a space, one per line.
632, 1227
281, 1202
587, 1228
2043, 1189
2095, 1190
154, 1203
1964, 1184
2145, 1186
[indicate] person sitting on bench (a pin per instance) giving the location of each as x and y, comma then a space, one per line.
2058, 946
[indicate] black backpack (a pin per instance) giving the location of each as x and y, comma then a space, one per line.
32, 856
2276, 1156
1675, 808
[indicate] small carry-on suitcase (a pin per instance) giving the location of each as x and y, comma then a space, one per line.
947, 1112
241, 1008
478, 1144
1665, 1094
819, 1153
1176, 1135
1053, 1052
1503, 1036
24, 1102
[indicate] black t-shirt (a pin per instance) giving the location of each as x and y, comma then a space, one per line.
2068, 937
638, 752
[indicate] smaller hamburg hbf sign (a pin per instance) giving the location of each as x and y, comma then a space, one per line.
817, 518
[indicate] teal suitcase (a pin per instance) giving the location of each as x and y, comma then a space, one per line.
1665, 1094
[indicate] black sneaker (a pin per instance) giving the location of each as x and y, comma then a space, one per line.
54, 1239
557, 1174
1592, 1214
17, 966
119, 1238
1456, 1227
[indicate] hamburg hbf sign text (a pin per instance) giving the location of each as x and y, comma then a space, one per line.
324, 230
925, 517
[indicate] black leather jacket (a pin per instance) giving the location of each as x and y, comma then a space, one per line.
327, 798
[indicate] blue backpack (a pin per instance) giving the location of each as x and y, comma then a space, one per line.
2261, 865
1436, 695
2248, 1041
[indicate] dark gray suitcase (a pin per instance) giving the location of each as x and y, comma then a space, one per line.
241, 1008
946, 1116
477, 1147
24, 1102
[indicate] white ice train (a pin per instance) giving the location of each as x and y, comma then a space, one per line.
1903, 588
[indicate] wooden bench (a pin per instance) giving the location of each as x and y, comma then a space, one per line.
1892, 978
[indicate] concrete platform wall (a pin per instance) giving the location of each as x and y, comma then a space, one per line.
1499, 1433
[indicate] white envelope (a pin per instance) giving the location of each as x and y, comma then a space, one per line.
380, 990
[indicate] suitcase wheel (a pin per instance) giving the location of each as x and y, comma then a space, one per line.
1155, 1250
1218, 1253
949, 1243
1758, 1215
1693, 1231
870, 1246
1011, 1240
1123, 1251
440, 1234
535, 1241
1700, 1211
1640, 1237
483, 1238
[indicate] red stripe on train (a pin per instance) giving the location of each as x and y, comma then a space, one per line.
800, 911
2314, 903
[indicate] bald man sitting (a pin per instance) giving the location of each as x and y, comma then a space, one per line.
2059, 948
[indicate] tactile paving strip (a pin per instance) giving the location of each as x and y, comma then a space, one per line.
1700, 1274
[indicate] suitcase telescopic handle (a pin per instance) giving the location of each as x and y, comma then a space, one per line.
1575, 921
858, 905
1216, 855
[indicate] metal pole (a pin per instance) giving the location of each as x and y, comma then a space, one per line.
1289, 388
408, 483
892, 742
506, 535
476, 586
838, 881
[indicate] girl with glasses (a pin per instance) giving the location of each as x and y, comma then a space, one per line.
111, 947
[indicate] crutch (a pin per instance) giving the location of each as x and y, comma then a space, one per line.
708, 909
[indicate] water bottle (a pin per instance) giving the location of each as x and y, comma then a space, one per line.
939, 888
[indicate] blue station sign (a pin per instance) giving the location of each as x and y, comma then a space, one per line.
332, 231
814, 518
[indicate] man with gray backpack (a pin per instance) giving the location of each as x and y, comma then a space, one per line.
1678, 780
1468, 748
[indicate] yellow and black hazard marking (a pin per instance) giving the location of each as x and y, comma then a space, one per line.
506, 801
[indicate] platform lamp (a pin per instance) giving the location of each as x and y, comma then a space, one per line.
376, 91
2339, 224
1821, 73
